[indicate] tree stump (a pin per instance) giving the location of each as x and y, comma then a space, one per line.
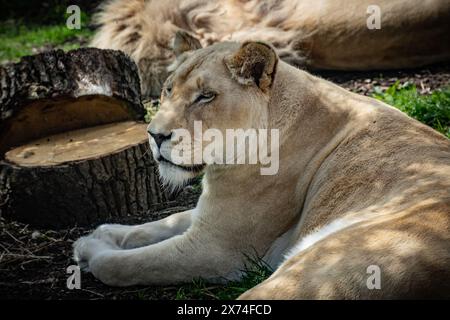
73, 144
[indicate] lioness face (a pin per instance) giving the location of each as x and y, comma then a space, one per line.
207, 91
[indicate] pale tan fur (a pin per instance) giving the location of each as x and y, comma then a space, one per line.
325, 34
342, 157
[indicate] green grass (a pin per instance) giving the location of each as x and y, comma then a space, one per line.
17, 39
152, 108
432, 110
255, 272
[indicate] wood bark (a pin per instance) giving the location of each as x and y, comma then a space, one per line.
38, 95
76, 73
81, 193
99, 86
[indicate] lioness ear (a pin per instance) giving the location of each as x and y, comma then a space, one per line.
254, 63
183, 42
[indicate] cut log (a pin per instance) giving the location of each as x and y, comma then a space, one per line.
73, 145
55, 91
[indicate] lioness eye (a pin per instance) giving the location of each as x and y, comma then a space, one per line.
168, 90
205, 97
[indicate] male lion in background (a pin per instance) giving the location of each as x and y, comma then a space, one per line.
359, 184
326, 34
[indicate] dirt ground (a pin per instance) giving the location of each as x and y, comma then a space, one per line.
33, 262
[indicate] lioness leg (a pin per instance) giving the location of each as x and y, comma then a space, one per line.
412, 258
175, 260
128, 237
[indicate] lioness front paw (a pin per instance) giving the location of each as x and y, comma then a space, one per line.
86, 248
113, 233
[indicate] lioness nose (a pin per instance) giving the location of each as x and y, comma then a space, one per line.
159, 138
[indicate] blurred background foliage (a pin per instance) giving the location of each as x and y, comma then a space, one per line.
29, 27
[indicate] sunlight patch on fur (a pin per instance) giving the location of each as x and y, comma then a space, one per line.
322, 233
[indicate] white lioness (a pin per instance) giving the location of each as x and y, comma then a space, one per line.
359, 185
320, 34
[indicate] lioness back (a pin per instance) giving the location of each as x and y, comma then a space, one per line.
379, 197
